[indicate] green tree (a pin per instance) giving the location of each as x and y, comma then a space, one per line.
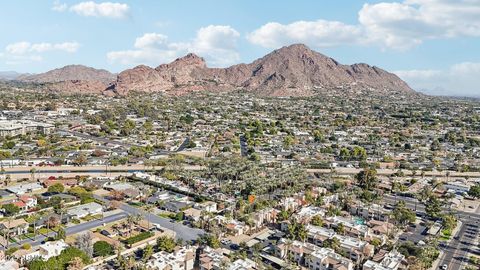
147, 253
344, 153
288, 141
10, 209
317, 221
8, 144
433, 207
209, 240
449, 222
403, 215
340, 228
128, 127
475, 191
61, 234
165, 243
318, 136
367, 179
56, 188
102, 248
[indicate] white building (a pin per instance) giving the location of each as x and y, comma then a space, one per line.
21, 127
52, 249
21, 189
327, 259
180, 259
242, 264
392, 261
84, 210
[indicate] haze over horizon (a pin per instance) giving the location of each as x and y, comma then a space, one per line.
431, 44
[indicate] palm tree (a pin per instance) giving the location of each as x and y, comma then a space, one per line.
32, 173
2, 171
35, 217
149, 209
7, 179
130, 221
7, 230
302, 232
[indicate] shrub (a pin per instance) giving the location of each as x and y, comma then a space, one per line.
139, 237
102, 248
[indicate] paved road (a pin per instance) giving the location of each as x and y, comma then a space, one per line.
72, 230
182, 232
20, 172
90, 168
457, 252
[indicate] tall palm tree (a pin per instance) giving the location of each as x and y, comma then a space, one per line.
130, 221
7, 179
149, 209
32, 173
2, 171
35, 217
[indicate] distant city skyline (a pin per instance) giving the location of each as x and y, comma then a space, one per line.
432, 44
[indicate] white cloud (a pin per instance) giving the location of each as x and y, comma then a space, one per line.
216, 43
59, 7
319, 33
152, 41
460, 80
23, 47
106, 9
397, 25
25, 52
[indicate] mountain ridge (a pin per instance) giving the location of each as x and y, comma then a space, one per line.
293, 70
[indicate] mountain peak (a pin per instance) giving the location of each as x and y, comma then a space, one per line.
190, 59
70, 73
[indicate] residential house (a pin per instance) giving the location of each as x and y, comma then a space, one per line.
181, 259
242, 264
264, 217
192, 214
212, 259
327, 259
84, 210
23, 188
392, 261
52, 249
236, 228
14, 227
208, 206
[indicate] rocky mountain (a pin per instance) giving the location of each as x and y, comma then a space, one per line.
290, 71
70, 73
76, 78
9, 75
294, 70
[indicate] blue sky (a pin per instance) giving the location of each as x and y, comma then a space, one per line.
432, 44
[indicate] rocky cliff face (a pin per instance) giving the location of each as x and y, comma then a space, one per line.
290, 71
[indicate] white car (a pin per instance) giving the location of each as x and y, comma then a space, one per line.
444, 267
